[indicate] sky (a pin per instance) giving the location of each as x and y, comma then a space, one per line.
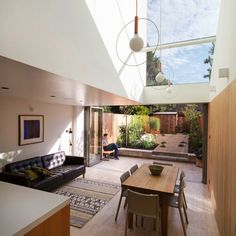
183, 20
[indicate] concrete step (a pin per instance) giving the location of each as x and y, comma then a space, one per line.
173, 158
174, 154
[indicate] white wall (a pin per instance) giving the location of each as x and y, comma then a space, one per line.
61, 37
110, 17
78, 131
225, 49
57, 119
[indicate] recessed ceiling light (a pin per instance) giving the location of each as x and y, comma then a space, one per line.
6, 88
52, 96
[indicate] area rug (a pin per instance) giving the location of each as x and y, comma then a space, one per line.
87, 198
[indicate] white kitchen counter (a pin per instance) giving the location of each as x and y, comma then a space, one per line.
22, 209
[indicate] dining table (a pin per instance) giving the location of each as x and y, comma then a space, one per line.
143, 181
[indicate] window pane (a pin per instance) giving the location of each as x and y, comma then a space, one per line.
182, 19
182, 65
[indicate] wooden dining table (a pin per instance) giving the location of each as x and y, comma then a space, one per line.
142, 181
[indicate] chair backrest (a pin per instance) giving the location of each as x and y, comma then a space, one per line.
162, 163
133, 169
124, 176
146, 205
181, 191
182, 175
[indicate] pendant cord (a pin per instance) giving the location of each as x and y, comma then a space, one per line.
160, 31
136, 7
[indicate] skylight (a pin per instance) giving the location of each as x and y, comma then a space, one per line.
181, 21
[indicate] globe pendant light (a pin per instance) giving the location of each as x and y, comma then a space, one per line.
136, 43
160, 76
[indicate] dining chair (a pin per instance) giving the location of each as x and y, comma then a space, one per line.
178, 202
162, 163
177, 187
124, 191
145, 205
133, 169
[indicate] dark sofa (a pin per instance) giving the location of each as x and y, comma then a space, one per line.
62, 168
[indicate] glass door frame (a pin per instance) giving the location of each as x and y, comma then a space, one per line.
87, 135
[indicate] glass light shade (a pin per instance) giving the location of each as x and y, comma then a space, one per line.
169, 90
159, 77
136, 43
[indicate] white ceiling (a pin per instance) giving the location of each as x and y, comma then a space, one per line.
28, 82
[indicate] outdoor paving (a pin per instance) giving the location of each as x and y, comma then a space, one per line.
173, 143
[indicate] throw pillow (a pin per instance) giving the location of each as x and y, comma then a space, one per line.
31, 174
42, 171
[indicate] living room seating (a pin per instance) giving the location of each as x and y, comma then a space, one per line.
46, 172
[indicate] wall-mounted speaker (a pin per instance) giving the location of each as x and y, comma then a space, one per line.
224, 73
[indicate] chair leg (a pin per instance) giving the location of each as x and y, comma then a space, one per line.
118, 208
125, 204
126, 224
185, 202
157, 227
182, 221
185, 213
142, 221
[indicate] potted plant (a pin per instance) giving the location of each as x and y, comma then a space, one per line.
199, 155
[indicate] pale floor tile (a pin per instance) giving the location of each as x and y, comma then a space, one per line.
200, 214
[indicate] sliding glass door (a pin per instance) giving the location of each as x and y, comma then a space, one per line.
93, 135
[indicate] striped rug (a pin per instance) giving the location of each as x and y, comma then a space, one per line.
87, 198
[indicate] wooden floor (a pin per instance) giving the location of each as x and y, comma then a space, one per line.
201, 219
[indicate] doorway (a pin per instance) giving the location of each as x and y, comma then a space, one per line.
93, 135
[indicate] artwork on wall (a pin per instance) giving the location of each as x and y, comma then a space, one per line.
31, 129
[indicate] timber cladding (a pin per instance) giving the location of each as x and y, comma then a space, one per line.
222, 159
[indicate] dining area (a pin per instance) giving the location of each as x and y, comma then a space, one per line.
201, 220
148, 191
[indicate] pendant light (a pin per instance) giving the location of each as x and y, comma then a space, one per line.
136, 43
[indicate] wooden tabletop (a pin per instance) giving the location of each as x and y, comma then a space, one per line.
143, 179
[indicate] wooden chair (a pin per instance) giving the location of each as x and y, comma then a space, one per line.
177, 187
178, 202
106, 155
133, 169
124, 191
145, 205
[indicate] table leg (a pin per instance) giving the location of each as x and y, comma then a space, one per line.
130, 221
164, 215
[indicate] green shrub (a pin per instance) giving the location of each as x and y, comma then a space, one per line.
154, 124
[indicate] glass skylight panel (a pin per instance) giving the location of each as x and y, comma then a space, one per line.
183, 65
182, 19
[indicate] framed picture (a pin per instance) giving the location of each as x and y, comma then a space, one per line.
31, 129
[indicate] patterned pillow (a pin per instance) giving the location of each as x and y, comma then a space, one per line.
42, 171
31, 174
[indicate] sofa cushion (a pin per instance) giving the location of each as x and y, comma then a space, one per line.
53, 160
24, 164
68, 170
48, 182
